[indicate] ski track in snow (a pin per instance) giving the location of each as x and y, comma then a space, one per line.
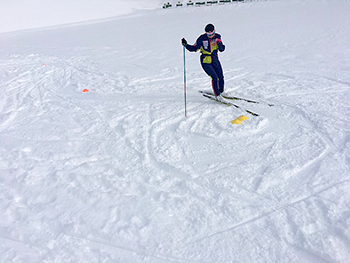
118, 174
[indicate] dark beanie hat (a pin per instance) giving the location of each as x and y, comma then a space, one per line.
209, 28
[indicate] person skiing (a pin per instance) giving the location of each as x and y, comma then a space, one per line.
209, 44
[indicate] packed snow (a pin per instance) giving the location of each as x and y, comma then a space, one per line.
98, 162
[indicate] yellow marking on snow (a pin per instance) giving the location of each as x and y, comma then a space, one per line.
239, 119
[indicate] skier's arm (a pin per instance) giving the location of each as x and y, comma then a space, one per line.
220, 44
191, 48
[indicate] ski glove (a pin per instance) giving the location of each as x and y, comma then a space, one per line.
220, 44
184, 42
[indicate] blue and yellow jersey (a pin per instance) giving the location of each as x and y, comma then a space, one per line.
209, 47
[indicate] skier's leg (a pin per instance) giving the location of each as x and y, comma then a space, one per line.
208, 68
218, 69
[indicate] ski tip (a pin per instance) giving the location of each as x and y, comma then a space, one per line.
252, 113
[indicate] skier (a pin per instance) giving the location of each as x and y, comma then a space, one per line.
209, 44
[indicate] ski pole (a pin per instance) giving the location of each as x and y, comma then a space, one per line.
185, 88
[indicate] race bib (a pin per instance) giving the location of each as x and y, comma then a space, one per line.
205, 44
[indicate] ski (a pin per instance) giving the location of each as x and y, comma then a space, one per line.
236, 98
213, 98
228, 104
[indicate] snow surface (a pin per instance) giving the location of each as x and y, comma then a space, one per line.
118, 174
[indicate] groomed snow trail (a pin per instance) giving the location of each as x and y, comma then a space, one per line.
118, 174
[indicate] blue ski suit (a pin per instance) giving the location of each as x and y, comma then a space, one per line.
210, 60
